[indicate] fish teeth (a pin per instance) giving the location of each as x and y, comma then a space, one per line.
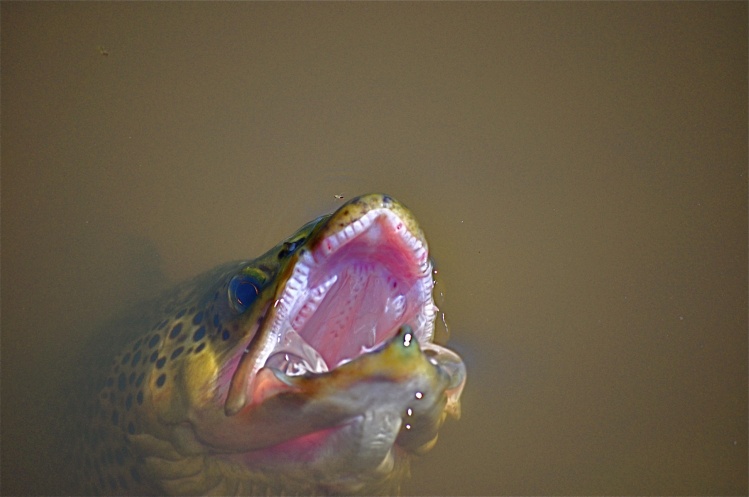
396, 306
298, 303
314, 297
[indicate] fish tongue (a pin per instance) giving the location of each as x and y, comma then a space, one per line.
394, 361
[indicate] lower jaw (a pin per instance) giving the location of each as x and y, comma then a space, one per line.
367, 399
330, 456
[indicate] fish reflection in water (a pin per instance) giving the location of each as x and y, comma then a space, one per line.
309, 370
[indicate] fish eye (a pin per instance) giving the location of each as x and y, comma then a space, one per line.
243, 291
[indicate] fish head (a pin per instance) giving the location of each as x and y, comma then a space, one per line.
310, 369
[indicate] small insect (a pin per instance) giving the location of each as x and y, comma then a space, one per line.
103, 51
338, 197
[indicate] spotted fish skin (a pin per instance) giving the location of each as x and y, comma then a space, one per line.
121, 392
188, 404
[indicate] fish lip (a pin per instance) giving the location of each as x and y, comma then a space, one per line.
378, 228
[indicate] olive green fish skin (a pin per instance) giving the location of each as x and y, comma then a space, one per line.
180, 325
104, 459
131, 424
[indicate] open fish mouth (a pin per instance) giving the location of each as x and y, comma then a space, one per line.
351, 289
308, 370
350, 293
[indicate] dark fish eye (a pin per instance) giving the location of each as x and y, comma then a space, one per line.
243, 291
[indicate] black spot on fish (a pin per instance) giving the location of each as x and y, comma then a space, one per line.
136, 359
110, 381
199, 334
216, 320
131, 428
198, 318
115, 417
225, 335
153, 341
176, 353
129, 402
180, 313
126, 358
161, 380
131, 379
199, 348
139, 380
160, 363
139, 397
154, 356
119, 457
175, 331
163, 324
137, 344
121, 382
122, 482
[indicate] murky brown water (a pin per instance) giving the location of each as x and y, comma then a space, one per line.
579, 169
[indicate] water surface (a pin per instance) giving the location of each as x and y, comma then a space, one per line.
579, 169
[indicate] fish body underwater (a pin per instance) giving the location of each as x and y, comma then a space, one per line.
309, 370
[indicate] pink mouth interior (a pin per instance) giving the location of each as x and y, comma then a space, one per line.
366, 304
351, 294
